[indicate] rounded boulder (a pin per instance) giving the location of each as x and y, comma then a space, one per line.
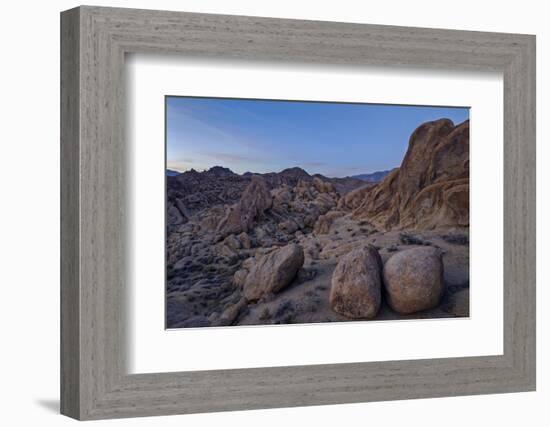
413, 280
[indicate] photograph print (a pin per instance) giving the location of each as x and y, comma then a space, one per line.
296, 212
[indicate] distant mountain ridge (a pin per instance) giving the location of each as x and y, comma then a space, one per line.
374, 176
294, 172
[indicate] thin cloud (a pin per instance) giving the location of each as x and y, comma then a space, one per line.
209, 123
233, 158
314, 164
183, 160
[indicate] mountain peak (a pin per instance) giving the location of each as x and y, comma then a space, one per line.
373, 176
220, 171
295, 172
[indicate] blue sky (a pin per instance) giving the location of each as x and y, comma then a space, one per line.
334, 139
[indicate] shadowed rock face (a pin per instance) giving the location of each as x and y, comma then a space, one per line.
431, 188
355, 198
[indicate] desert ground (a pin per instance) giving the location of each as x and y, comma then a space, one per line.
290, 247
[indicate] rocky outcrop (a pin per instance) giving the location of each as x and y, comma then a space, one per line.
271, 272
282, 196
413, 280
323, 223
431, 188
174, 216
244, 240
354, 198
325, 201
323, 186
289, 176
240, 217
356, 284
232, 242
193, 191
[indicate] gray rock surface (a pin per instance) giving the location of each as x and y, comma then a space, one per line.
240, 217
273, 272
357, 284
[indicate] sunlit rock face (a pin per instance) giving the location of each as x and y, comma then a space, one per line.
431, 187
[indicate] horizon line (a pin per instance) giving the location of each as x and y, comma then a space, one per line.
282, 170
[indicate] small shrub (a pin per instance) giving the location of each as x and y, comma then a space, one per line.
284, 307
409, 239
265, 314
288, 319
312, 306
305, 274
456, 239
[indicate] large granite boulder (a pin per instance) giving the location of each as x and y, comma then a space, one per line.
272, 272
356, 284
413, 280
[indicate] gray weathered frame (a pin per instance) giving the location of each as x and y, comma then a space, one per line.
94, 41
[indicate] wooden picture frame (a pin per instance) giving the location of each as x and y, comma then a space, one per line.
94, 382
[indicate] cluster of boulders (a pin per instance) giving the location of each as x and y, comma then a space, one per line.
411, 281
192, 191
249, 243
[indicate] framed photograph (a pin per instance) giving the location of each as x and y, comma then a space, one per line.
262, 213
